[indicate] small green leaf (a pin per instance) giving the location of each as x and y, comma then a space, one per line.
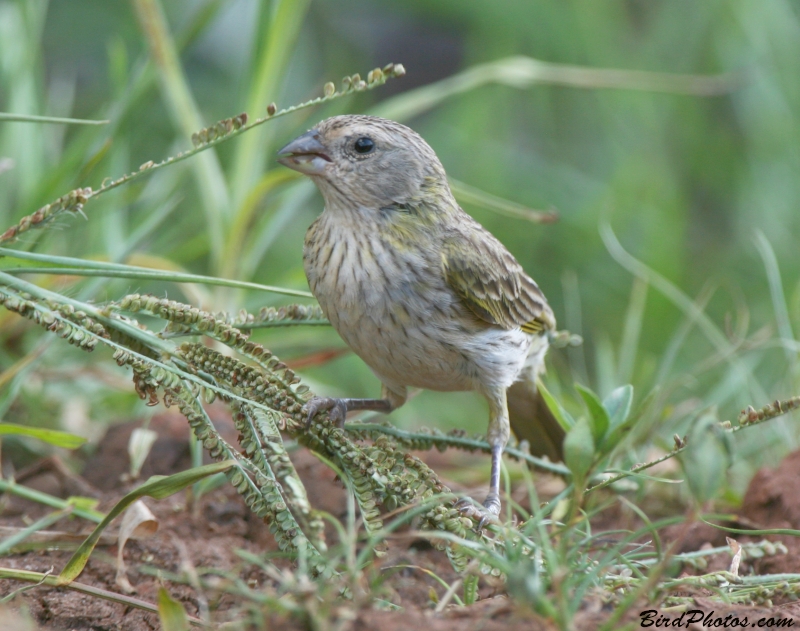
157, 487
171, 613
599, 415
618, 405
706, 458
579, 449
51, 436
83, 503
562, 416
470, 589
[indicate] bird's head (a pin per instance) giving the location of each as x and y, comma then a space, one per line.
365, 161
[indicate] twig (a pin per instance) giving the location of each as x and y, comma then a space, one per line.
204, 139
747, 418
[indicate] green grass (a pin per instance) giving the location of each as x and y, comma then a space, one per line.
674, 257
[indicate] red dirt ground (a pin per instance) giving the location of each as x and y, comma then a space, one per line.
210, 535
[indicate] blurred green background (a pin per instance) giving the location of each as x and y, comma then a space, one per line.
686, 182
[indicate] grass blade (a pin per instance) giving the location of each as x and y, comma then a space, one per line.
157, 487
632, 331
55, 120
776, 291
40, 524
467, 194
186, 118
574, 323
83, 267
145, 274
9, 486
243, 222
50, 436
171, 613
526, 72
685, 304
283, 20
747, 531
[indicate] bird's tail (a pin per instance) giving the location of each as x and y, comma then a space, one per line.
533, 421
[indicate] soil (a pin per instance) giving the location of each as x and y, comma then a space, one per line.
211, 532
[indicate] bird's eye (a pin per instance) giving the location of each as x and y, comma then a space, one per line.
364, 145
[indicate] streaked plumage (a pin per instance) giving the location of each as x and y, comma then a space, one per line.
416, 287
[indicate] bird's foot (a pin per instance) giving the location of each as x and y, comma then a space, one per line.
484, 514
337, 408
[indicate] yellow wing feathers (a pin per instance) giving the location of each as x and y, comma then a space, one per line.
492, 284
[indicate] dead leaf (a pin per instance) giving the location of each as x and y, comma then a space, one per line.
137, 523
736, 550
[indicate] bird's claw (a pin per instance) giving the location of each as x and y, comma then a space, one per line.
337, 410
483, 514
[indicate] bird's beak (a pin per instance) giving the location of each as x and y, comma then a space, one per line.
306, 154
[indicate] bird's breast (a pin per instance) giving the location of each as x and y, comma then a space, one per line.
388, 300
362, 277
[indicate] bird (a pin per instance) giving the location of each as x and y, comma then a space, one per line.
418, 289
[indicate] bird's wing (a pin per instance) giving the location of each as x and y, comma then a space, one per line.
492, 284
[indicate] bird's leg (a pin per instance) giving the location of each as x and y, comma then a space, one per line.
498, 434
492, 501
392, 398
340, 407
